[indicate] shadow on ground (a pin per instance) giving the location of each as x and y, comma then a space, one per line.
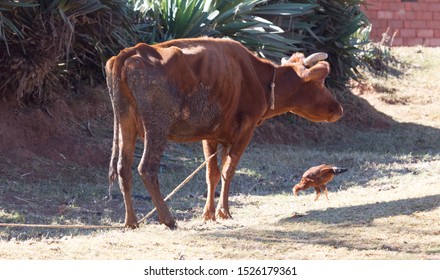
359, 214
344, 218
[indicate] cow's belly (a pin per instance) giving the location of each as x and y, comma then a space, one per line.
200, 117
196, 124
186, 133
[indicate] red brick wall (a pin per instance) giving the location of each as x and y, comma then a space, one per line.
417, 23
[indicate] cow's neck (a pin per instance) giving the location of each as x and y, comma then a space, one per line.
282, 85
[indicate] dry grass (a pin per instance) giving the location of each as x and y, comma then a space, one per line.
414, 92
387, 206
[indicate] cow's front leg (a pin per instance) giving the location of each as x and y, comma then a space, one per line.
228, 172
212, 178
230, 163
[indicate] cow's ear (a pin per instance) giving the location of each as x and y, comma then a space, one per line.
297, 57
318, 72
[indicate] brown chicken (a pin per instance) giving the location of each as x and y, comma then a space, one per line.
317, 177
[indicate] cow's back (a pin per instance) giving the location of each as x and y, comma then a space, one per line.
219, 64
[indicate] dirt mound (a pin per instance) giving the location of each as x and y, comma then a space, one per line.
77, 131
34, 141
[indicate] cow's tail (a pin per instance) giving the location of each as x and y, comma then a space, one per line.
113, 69
113, 89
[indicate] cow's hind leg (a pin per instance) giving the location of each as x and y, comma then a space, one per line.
155, 138
127, 140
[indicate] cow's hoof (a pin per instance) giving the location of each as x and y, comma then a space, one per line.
131, 225
223, 214
209, 216
171, 224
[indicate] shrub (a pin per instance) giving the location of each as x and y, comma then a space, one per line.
43, 42
245, 21
376, 56
330, 28
271, 28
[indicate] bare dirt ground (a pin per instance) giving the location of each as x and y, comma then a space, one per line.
387, 206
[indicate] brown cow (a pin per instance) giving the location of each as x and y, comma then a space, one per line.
213, 90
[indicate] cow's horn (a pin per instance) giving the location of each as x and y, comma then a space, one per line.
284, 60
313, 58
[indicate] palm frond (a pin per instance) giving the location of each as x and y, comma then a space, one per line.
244, 21
330, 28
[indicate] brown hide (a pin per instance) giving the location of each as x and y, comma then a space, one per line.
213, 90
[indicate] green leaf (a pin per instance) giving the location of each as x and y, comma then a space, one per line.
285, 9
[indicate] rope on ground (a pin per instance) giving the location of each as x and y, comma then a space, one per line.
109, 227
58, 226
180, 185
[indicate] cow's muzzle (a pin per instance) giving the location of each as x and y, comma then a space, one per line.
337, 114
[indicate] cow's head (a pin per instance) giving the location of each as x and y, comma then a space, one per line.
312, 100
